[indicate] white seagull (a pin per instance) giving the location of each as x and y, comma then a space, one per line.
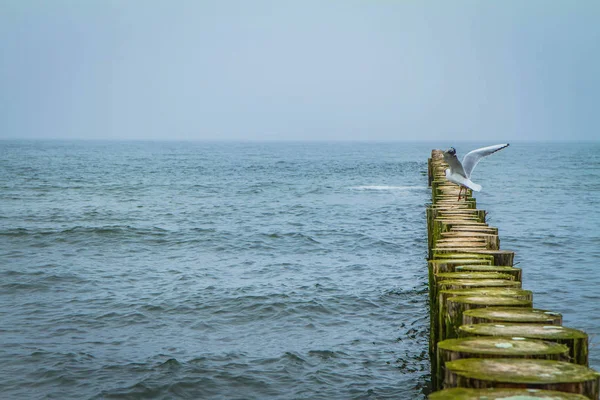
460, 173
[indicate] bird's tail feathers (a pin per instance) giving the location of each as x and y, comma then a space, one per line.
474, 186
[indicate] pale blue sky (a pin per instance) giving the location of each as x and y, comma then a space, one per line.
300, 70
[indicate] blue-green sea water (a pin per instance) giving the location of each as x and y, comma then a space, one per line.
162, 270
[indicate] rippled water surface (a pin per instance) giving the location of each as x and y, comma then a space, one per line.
258, 270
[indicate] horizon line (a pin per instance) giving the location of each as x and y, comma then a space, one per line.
254, 140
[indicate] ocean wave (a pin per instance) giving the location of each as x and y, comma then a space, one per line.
387, 188
104, 230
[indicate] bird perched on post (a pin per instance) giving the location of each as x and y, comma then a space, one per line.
460, 173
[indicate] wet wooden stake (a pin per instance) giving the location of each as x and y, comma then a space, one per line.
495, 347
522, 373
503, 394
438, 309
455, 306
574, 339
516, 272
511, 314
485, 277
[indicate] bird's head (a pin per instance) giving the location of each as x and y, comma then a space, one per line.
451, 151
448, 154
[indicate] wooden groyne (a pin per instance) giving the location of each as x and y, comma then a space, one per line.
486, 338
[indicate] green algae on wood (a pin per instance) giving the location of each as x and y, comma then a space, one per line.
485, 229
451, 320
511, 314
500, 257
438, 252
494, 347
574, 339
438, 310
446, 276
446, 265
474, 275
458, 284
503, 394
485, 277
526, 373
461, 242
435, 267
505, 269
438, 307
466, 255
492, 242
475, 283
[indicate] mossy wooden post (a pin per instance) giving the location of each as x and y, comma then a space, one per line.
453, 276
446, 265
443, 265
511, 314
438, 309
484, 373
516, 272
429, 172
503, 394
475, 281
444, 295
574, 339
455, 306
492, 242
500, 257
494, 347
456, 284
467, 255
450, 284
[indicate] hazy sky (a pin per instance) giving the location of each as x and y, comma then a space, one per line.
300, 70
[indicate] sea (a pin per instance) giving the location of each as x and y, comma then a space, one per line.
260, 270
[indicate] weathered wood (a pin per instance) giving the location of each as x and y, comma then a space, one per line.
438, 309
446, 265
478, 229
576, 340
511, 314
516, 272
455, 306
466, 255
492, 242
522, 373
494, 347
503, 394
500, 257
474, 283
486, 276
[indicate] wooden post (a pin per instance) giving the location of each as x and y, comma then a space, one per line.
503, 394
495, 347
576, 340
511, 314
517, 272
525, 373
455, 306
438, 309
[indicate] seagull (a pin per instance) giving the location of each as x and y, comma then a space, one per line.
460, 173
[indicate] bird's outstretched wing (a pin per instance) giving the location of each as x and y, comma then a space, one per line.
454, 164
472, 158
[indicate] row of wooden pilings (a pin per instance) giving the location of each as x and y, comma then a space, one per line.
486, 339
